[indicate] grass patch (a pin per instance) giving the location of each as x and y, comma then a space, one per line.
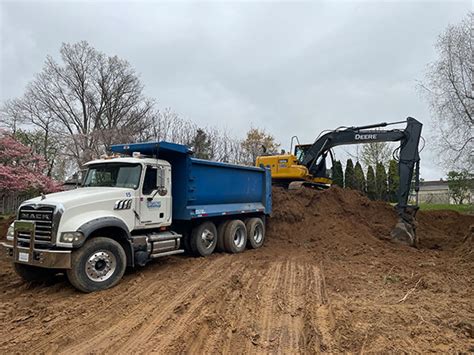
445, 206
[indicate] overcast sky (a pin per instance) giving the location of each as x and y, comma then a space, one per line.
293, 68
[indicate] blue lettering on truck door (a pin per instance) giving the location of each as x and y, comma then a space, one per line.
153, 204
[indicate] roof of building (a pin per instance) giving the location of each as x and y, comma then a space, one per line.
434, 183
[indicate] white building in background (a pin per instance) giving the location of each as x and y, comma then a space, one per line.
438, 192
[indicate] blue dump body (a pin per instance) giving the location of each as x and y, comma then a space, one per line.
203, 188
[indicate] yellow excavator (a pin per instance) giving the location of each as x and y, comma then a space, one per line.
307, 165
288, 171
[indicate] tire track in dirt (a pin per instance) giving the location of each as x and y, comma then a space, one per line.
284, 290
143, 335
243, 313
266, 305
133, 295
282, 320
73, 332
290, 322
228, 306
199, 308
215, 323
314, 340
145, 313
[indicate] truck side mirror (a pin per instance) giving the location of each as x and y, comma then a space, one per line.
162, 191
160, 183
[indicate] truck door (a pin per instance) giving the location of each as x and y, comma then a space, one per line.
155, 202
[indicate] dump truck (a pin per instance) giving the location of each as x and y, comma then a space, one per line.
146, 201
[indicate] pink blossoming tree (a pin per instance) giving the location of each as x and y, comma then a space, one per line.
21, 170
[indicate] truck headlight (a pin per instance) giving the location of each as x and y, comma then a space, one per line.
11, 231
75, 238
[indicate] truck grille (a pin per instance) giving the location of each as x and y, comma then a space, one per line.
43, 218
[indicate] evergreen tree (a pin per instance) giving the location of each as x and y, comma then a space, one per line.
381, 182
337, 174
371, 186
349, 176
393, 180
359, 178
201, 145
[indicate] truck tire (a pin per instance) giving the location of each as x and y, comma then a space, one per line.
255, 233
33, 273
185, 240
99, 264
204, 239
235, 236
220, 236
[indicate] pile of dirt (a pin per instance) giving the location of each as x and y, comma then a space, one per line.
383, 296
346, 217
326, 280
347, 213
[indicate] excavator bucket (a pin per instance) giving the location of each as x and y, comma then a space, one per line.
404, 233
405, 229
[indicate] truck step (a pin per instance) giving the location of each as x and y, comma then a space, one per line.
166, 253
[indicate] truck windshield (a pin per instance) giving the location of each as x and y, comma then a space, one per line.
113, 175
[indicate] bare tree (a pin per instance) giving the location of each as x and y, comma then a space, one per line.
10, 117
167, 125
449, 89
374, 153
89, 101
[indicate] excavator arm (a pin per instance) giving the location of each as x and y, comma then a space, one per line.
409, 161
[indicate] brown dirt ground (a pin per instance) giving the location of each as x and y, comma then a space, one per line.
325, 281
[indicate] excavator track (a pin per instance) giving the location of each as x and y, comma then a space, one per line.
297, 185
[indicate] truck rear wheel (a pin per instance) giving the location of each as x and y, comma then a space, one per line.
235, 236
99, 264
255, 232
33, 273
220, 235
204, 239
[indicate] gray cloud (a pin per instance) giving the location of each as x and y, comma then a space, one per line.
292, 68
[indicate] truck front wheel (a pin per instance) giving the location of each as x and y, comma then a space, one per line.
99, 264
235, 236
204, 239
33, 273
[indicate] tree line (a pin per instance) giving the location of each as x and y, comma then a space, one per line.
74, 110
377, 184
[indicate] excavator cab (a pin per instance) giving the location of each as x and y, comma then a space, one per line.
319, 168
